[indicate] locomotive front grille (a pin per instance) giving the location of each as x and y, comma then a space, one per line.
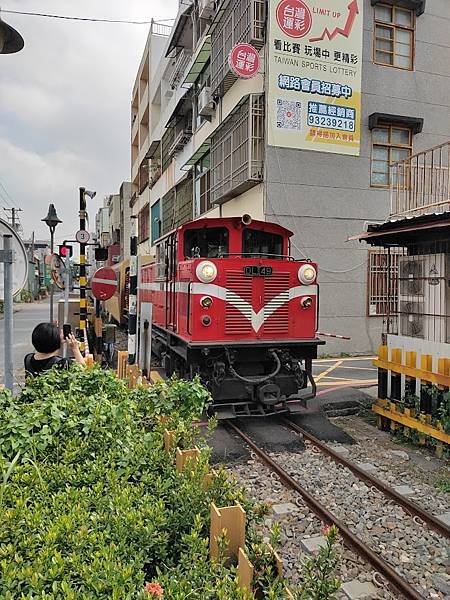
276, 304
240, 300
238, 312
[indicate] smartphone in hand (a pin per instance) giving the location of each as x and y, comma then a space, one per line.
67, 330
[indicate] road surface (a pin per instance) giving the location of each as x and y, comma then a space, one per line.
26, 317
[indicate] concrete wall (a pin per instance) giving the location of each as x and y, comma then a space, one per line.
325, 198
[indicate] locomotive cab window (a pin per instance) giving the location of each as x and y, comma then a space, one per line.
161, 260
261, 244
206, 243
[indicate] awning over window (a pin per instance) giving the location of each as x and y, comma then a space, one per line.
153, 148
418, 6
201, 58
414, 123
198, 154
182, 33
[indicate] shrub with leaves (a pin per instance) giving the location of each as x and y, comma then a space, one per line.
93, 508
318, 580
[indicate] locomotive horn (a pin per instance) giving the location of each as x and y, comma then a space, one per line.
246, 219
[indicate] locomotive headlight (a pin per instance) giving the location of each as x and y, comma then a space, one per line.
206, 271
307, 274
206, 301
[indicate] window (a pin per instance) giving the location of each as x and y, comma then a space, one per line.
202, 186
394, 37
261, 244
204, 81
156, 221
383, 283
143, 224
206, 242
161, 260
390, 144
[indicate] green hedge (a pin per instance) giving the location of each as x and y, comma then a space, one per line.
92, 506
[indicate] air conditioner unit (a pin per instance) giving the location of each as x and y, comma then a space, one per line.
206, 9
424, 296
205, 104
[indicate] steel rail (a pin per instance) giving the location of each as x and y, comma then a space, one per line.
350, 540
411, 507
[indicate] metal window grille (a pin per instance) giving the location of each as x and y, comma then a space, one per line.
177, 206
383, 283
237, 150
241, 21
416, 296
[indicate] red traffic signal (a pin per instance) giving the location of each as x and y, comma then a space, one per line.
65, 251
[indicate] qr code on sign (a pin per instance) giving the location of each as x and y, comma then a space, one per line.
289, 114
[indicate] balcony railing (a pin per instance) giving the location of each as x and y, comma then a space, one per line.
420, 185
179, 68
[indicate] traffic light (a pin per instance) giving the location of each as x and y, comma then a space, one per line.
65, 251
101, 254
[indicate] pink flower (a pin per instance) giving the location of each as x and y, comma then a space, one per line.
326, 530
154, 589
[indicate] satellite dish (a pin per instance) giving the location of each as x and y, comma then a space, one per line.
20, 264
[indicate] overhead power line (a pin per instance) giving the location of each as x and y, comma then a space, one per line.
6, 196
91, 19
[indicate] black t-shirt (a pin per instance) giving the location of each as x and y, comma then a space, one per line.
35, 367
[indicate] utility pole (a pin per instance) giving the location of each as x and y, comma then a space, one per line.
7, 257
14, 217
132, 302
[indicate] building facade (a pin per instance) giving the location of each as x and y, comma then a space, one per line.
209, 146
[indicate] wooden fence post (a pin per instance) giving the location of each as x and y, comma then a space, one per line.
169, 440
183, 456
232, 520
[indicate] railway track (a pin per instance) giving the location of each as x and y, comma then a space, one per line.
352, 541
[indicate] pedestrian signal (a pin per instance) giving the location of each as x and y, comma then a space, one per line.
65, 251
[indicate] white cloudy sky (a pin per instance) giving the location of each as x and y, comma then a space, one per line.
65, 105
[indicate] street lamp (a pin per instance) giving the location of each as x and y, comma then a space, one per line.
10, 40
51, 220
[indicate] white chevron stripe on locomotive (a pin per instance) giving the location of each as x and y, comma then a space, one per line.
221, 293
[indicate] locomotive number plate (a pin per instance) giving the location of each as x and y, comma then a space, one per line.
256, 271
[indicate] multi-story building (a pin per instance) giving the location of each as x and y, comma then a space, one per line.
102, 224
307, 142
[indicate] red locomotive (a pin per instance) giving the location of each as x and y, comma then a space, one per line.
230, 304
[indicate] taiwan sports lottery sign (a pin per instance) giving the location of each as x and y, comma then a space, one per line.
244, 61
315, 63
